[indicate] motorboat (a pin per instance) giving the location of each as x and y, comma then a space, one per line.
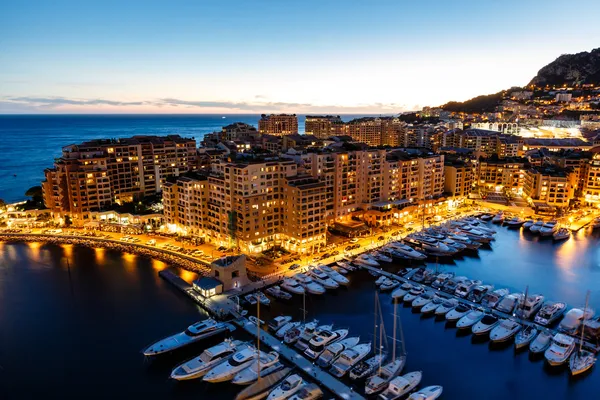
317, 344
379, 281
498, 218
465, 287
227, 370
278, 322
349, 358
407, 251
451, 284
251, 299
581, 361
276, 292
255, 320
366, 368
265, 364
345, 266
470, 319
549, 228
386, 373
530, 306
260, 389
491, 299
309, 392
422, 300
573, 320
528, 224
193, 333
477, 294
323, 279
402, 291
457, 313
435, 302
389, 284
441, 280
310, 331
505, 330
456, 245
210, 358
309, 285
285, 328
515, 222
413, 293
445, 307
535, 228
340, 270
591, 328
464, 239
541, 342
525, 337
560, 350
485, 325
433, 246
486, 217
509, 303
292, 286
427, 393
264, 300
334, 350
476, 234
561, 234
336, 276
422, 274
366, 259
290, 385
401, 385
294, 334
380, 257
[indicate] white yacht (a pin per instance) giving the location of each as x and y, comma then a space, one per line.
530, 306
294, 334
365, 259
210, 358
317, 344
292, 286
309, 392
389, 285
407, 251
323, 279
276, 292
435, 302
309, 332
525, 336
422, 300
349, 358
380, 280
467, 321
334, 350
285, 328
309, 285
549, 228
427, 393
457, 313
413, 293
401, 385
514, 222
491, 299
441, 280
399, 293
541, 342
477, 294
451, 284
535, 228
227, 370
464, 239
251, 299
266, 364
485, 325
264, 300
560, 350
278, 322
504, 331
561, 234
366, 368
447, 305
380, 257
581, 361
573, 320
287, 388
498, 218
465, 287
528, 224
386, 373
336, 276
192, 334
509, 303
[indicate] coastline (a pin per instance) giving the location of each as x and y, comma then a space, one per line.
167, 256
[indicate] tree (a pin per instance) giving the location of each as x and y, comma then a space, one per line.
35, 192
2, 204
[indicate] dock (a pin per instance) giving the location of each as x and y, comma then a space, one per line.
323, 378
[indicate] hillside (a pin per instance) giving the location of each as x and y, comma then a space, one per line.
571, 69
479, 104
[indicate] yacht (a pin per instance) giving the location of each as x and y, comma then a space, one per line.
407, 251
401, 385
386, 373
264, 300
261, 389
447, 305
227, 370
276, 292
457, 313
278, 322
549, 228
525, 337
435, 302
422, 300
380, 257
365, 259
560, 350
456, 245
434, 247
467, 321
541, 342
194, 333
464, 239
561, 234
477, 294
422, 274
334, 350
309, 332
255, 320
535, 228
294, 334
381, 279
251, 299
413, 293
285, 328
309, 285
528, 224
515, 222
292, 286
486, 217
389, 285
366, 368
402, 291
336, 276
349, 358
491, 299
498, 218
505, 330
318, 343
290, 386
451, 284
465, 287
210, 358
509, 303
441, 280
573, 320
475, 234
427, 393
485, 325
323, 279
581, 361
530, 306
266, 364
309, 392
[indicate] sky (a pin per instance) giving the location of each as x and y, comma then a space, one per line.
276, 56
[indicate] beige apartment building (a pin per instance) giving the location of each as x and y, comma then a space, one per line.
459, 178
550, 186
185, 204
376, 131
324, 126
591, 185
498, 174
278, 124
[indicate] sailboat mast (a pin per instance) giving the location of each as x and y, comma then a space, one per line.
394, 348
258, 340
525, 299
402, 337
587, 298
375, 320
380, 346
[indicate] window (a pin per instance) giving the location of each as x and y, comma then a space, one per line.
235, 274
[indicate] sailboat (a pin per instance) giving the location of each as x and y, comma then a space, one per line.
582, 360
389, 371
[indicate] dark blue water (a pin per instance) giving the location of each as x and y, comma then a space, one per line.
81, 336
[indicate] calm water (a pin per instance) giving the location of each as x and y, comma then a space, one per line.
81, 337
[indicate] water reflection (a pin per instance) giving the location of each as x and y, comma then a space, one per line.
129, 262
187, 275
158, 265
100, 256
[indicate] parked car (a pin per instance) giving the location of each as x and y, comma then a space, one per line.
354, 240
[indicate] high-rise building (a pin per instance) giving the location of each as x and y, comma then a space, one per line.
278, 124
325, 126
459, 178
497, 174
550, 187
376, 131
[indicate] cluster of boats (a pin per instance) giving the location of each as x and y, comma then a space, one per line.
548, 228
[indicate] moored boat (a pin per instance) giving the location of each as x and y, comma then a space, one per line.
504, 331
349, 358
401, 385
560, 350
541, 342
525, 337
210, 358
427, 393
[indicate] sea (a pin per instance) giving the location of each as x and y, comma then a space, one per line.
73, 322
30, 143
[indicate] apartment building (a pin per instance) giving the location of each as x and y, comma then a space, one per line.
376, 131
324, 126
185, 204
591, 185
550, 186
497, 174
93, 175
459, 178
278, 124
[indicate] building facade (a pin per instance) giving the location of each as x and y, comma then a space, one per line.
324, 126
459, 178
278, 124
